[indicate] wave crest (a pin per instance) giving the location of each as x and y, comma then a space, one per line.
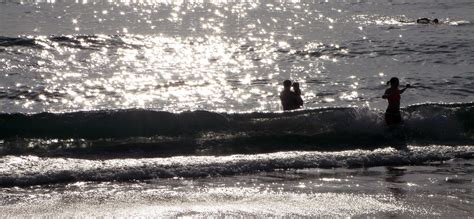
202, 132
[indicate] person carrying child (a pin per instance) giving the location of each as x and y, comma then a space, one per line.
291, 99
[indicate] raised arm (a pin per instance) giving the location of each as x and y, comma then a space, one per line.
406, 87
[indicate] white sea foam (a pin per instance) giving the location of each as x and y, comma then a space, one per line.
32, 170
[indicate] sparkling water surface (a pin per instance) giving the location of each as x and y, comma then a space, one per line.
230, 56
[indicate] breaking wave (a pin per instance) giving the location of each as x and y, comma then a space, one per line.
33, 170
155, 133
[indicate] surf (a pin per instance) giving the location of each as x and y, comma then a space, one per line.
158, 133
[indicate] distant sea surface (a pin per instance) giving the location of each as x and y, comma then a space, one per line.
171, 108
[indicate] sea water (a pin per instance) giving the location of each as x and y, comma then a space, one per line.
171, 108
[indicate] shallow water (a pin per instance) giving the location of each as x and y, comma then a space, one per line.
438, 189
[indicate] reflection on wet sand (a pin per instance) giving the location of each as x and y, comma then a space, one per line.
394, 178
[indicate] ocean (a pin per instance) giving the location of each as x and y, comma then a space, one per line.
164, 108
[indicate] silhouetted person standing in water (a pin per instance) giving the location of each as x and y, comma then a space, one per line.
291, 100
392, 115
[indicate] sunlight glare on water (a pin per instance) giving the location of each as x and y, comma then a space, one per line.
212, 55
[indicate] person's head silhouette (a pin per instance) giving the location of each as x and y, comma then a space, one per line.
394, 82
287, 84
296, 88
296, 85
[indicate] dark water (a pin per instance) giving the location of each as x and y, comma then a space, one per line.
150, 133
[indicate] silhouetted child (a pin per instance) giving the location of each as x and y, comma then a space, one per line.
296, 88
392, 94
